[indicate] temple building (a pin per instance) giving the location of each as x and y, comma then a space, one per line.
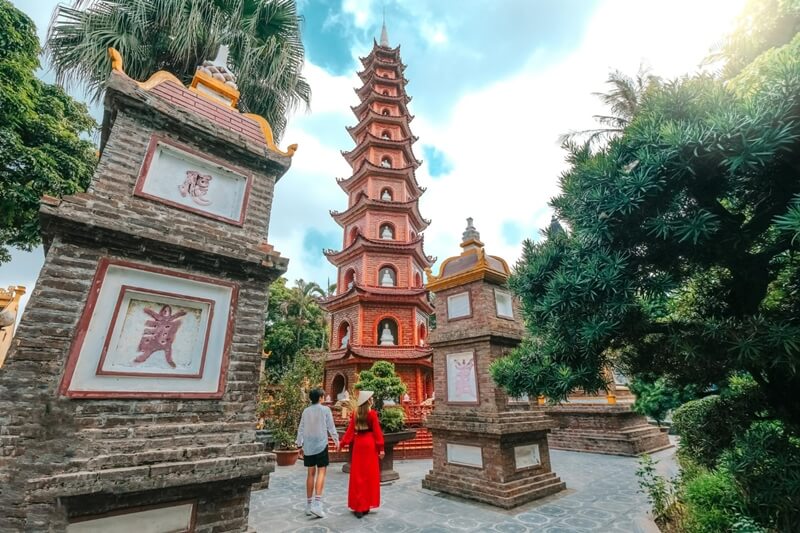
380, 311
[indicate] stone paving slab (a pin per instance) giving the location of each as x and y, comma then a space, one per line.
602, 496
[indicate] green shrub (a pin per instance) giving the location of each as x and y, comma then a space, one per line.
707, 426
765, 463
711, 502
392, 419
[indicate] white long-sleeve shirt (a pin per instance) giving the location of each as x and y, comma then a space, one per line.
315, 426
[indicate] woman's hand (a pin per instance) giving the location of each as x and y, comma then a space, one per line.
381, 455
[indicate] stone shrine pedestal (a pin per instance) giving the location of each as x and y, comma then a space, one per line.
486, 446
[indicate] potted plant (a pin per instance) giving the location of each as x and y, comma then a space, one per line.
387, 386
283, 406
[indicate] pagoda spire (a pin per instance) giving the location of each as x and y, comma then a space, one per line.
384, 33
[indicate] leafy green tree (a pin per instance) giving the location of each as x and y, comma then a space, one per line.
41, 150
295, 323
386, 385
681, 253
266, 52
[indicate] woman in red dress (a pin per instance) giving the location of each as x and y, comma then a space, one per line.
364, 432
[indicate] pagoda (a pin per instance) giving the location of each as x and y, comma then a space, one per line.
381, 308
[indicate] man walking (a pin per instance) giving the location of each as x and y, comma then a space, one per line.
312, 436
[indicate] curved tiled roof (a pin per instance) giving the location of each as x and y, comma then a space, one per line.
382, 352
169, 88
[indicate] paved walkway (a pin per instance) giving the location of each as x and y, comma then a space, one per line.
602, 496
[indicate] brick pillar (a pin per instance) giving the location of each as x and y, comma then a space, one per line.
486, 446
129, 394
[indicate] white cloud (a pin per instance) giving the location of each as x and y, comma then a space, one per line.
502, 140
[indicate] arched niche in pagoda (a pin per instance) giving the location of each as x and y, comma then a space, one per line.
344, 334
417, 279
353, 235
339, 386
386, 232
386, 162
387, 276
385, 112
349, 279
387, 195
386, 134
388, 332
422, 334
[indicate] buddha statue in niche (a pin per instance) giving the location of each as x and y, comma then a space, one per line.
387, 339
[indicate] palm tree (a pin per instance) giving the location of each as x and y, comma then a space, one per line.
623, 101
303, 301
266, 52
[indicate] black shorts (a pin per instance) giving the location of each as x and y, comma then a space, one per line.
318, 459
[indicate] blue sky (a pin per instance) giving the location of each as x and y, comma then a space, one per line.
494, 82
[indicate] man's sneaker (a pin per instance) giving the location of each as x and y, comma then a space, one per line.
308, 509
316, 510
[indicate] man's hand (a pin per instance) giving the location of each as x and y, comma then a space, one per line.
301, 453
381, 455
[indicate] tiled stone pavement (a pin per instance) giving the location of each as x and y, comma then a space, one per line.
602, 496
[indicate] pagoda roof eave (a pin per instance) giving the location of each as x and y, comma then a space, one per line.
364, 202
391, 353
362, 243
359, 109
371, 117
374, 54
368, 77
405, 146
369, 169
414, 296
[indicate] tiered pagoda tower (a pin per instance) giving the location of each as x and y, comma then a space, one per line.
381, 308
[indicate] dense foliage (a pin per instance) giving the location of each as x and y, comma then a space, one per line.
41, 150
384, 382
295, 323
680, 262
682, 249
266, 52
282, 405
657, 398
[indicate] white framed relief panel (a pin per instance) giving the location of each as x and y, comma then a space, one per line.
503, 304
181, 177
179, 517
462, 378
527, 456
151, 332
462, 454
458, 306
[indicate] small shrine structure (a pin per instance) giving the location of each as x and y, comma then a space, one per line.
9, 309
380, 310
128, 397
486, 446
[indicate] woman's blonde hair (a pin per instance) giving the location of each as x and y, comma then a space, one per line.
361, 417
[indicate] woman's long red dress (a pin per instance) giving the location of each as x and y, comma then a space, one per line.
364, 492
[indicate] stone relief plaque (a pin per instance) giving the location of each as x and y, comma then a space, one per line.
462, 382
527, 456
178, 176
150, 332
155, 519
167, 332
503, 304
458, 306
461, 454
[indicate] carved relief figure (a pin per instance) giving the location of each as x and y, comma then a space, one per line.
196, 186
465, 382
159, 334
